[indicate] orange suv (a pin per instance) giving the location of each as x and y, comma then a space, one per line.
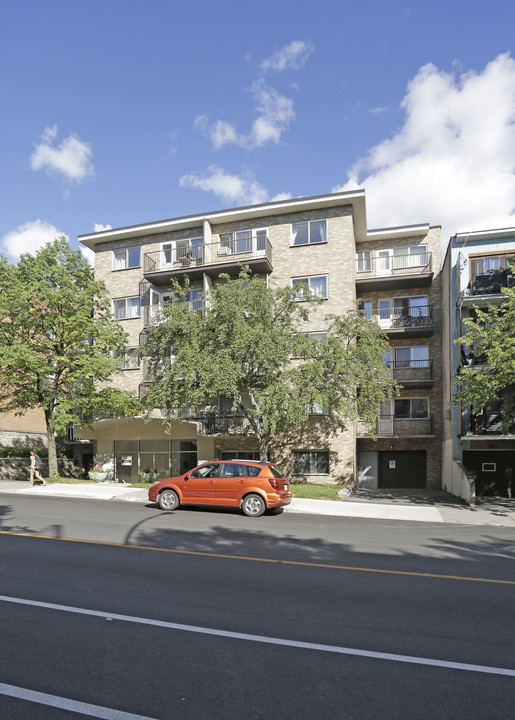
251, 485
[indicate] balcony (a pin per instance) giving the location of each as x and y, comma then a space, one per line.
413, 322
393, 426
487, 288
393, 272
412, 373
486, 423
215, 423
227, 256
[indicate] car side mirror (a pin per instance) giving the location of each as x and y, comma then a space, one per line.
186, 477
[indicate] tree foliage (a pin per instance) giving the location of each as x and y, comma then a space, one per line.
58, 340
491, 337
247, 344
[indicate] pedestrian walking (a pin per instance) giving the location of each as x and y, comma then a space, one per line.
35, 468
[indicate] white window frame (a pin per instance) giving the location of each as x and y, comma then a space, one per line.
254, 242
170, 254
126, 254
309, 241
127, 302
130, 359
306, 279
386, 315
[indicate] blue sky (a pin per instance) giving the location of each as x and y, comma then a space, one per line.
119, 112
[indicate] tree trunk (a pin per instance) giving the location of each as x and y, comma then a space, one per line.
52, 452
263, 448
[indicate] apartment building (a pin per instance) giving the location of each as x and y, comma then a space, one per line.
324, 242
477, 458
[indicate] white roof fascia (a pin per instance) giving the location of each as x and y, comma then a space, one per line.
355, 198
403, 231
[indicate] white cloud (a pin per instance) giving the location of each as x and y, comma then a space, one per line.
275, 113
98, 227
289, 57
235, 189
72, 158
28, 238
453, 161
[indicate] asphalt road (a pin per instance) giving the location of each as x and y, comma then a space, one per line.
123, 612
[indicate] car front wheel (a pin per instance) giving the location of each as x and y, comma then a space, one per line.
253, 505
168, 500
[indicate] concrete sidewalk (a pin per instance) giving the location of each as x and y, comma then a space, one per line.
436, 507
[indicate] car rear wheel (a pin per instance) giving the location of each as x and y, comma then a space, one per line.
168, 500
253, 505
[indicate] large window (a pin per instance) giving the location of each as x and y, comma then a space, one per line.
309, 233
130, 360
126, 258
125, 308
405, 408
317, 285
310, 462
485, 265
243, 241
182, 252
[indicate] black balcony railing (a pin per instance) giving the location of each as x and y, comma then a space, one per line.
391, 425
411, 371
397, 318
486, 424
490, 284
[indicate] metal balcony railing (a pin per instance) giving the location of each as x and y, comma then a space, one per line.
391, 425
219, 253
401, 317
490, 284
411, 371
486, 424
386, 266
214, 423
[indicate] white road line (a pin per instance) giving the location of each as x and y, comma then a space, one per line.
267, 640
95, 711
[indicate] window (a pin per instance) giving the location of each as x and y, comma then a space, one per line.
317, 285
364, 261
320, 338
411, 407
243, 241
407, 357
309, 233
131, 360
317, 409
182, 252
394, 310
126, 258
310, 462
366, 307
485, 265
411, 256
126, 308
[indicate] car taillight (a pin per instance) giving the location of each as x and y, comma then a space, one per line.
273, 482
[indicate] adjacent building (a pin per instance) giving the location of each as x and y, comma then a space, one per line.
477, 458
393, 273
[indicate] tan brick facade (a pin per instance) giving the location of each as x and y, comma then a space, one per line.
335, 259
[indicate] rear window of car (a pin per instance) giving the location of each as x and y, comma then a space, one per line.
275, 471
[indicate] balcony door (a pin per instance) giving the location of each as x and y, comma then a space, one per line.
181, 252
384, 262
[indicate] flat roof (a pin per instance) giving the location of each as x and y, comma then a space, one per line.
355, 198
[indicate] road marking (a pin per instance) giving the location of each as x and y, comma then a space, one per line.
96, 711
410, 659
225, 556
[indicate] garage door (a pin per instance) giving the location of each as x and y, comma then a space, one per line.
402, 469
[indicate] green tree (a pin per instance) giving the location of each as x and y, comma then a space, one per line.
58, 341
246, 343
490, 336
